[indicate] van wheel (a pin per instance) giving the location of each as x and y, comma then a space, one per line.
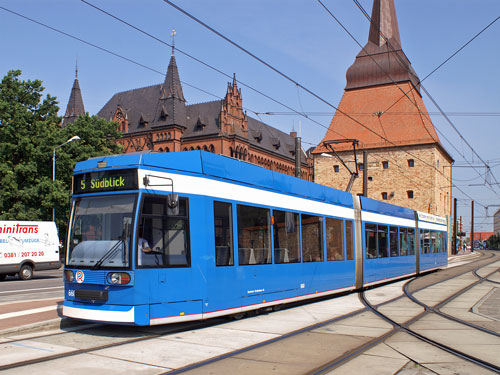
26, 272
2, 276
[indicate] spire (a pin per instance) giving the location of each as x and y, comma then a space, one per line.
173, 34
382, 60
75, 106
172, 105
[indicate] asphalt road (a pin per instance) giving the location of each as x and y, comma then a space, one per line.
44, 285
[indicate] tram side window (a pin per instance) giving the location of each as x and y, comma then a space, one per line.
334, 239
163, 238
254, 235
312, 238
434, 244
443, 242
411, 241
383, 243
403, 242
286, 237
349, 242
371, 240
425, 241
393, 241
223, 229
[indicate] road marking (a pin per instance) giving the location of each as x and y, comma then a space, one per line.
31, 290
27, 312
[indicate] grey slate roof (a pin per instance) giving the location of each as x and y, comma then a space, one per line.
202, 120
151, 104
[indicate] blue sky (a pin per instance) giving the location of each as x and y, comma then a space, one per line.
296, 36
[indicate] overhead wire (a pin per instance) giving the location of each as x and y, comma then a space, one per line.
134, 62
398, 58
203, 63
217, 70
287, 77
292, 80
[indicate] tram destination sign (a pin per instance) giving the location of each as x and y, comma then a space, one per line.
94, 182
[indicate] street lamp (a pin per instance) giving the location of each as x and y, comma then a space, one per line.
74, 138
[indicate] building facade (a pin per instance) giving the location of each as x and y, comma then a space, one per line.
157, 118
496, 222
382, 111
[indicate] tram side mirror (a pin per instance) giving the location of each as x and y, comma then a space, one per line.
173, 204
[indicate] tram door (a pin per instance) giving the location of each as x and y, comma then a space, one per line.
164, 250
223, 289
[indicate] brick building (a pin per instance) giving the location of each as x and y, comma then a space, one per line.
157, 118
383, 110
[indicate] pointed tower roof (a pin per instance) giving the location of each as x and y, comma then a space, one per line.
382, 60
374, 108
172, 105
75, 106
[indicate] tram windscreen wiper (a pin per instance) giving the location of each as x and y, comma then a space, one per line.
109, 254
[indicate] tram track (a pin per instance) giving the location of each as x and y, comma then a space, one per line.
351, 354
320, 368
147, 336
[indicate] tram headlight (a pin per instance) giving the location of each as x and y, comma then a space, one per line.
69, 276
118, 278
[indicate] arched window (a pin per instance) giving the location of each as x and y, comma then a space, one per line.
212, 148
205, 148
167, 149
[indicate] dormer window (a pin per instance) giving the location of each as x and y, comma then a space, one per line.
163, 113
143, 122
257, 135
199, 125
275, 142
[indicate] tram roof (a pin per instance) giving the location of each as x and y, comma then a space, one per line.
220, 167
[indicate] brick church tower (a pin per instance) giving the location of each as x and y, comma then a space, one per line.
383, 110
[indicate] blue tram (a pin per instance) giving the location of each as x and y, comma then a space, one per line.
157, 238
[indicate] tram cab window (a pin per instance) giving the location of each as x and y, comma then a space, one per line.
411, 241
349, 241
393, 241
223, 229
403, 241
254, 235
312, 238
371, 240
286, 237
166, 234
334, 239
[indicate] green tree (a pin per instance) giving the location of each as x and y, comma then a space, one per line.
493, 242
29, 131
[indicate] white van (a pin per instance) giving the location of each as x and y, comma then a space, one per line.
26, 246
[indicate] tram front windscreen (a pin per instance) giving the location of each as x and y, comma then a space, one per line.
101, 232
